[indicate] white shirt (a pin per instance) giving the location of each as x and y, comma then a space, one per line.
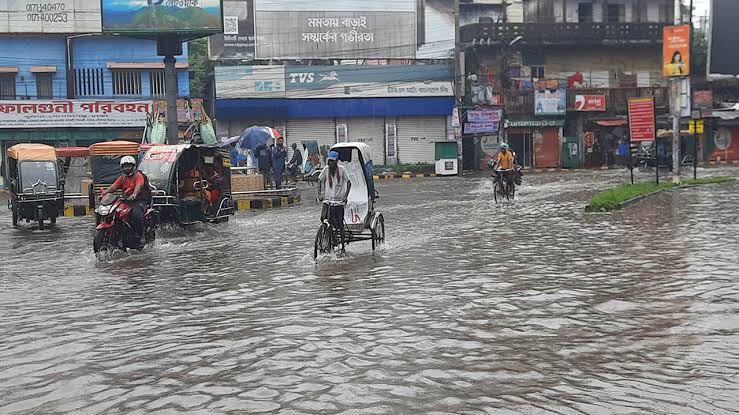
334, 190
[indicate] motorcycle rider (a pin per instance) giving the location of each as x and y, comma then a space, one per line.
132, 183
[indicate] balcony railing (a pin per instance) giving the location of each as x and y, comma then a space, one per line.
562, 33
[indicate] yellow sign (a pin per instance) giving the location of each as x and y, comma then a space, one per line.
696, 126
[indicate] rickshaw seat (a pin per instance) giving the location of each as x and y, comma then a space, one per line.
358, 203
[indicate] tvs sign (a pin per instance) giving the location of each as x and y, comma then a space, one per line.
590, 102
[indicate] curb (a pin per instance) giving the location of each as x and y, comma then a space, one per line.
267, 203
403, 176
71, 211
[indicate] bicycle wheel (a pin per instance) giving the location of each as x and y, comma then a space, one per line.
513, 191
496, 189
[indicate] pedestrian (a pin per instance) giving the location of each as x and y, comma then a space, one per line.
236, 157
264, 163
279, 154
623, 151
296, 162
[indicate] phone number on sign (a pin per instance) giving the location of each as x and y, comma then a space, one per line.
48, 17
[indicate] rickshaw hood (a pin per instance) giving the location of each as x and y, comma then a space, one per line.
39, 152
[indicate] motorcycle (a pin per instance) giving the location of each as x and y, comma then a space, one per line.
114, 229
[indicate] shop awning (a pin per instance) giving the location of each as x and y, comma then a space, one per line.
8, 69
144, 65
611, 123
43, 69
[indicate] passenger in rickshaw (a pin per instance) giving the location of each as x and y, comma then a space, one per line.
133, 183
333, 189
190, 184
216, 176
295, 162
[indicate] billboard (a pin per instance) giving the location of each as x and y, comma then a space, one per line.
237, 40
676, 50
368, 81
550, 102
355, 29
73, 113
59, 16
641, 119
162, 16
265, 81
590, 102
722, 56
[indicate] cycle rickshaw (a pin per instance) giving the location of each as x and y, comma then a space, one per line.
361, 221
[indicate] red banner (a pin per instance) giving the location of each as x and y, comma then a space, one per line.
641, 119
590, 102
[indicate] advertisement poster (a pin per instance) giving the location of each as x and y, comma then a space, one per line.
676, 50
641, 119
237, 40
484, 116
162, 16
188, 110
590, 102
549, 102
355, 29
73, 113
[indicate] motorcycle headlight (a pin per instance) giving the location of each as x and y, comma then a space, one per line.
104, 210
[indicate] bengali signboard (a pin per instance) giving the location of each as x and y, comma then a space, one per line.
237, 40
641, 119
550, 102
73, 113
590, 102
355, 29
162, 16
481, 127
676, 50
56, 16
487, 116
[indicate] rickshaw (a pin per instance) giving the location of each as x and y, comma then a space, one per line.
361, 221
188, 185
105, 160
36, 189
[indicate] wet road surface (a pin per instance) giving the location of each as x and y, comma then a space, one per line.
524, 307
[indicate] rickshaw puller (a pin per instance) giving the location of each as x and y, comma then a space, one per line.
334, 186
131, 183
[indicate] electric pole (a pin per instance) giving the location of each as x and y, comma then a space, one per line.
676, 91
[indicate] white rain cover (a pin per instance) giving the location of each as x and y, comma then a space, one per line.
357, 205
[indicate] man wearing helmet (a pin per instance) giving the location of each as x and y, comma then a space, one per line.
505, 163
132, 183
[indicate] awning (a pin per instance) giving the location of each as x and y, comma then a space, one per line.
72, 152
144, 65
611, 123
8, 69
43, 69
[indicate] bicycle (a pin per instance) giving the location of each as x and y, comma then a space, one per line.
507, 189
328, 236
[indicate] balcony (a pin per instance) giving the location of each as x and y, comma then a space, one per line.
563, 33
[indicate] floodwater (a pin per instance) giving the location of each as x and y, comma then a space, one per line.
529, 306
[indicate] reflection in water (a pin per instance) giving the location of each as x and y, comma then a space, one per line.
522, 307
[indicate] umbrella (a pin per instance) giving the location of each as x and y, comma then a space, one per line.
228, 141
255, 136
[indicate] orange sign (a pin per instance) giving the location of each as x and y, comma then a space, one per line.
676, 50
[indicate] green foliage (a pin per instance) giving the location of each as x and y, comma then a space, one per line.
200, 67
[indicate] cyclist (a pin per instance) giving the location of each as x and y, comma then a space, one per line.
505, 163
333, 190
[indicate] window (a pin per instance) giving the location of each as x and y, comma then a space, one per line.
158, 84
44, 85
585, 12
88, 82
7, 86
615, 13
667, 13
126, 82
537, 72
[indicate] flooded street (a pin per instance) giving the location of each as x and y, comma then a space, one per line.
529, 306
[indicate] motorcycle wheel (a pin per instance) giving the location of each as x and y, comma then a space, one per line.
101, 240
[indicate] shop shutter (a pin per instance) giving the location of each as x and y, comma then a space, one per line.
416, 138
323, 130
370, 131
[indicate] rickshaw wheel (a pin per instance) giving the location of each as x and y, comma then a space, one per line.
324, 242
15, 216
41, 224
53, 220
378, 233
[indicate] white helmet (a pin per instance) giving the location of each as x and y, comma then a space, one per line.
128, 160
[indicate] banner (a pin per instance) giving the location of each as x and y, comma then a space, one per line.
590, 102
188, 110
550, 102
73, 113
57, 16
484, 116
486, 127
641, 119
261, 81
237, 40
676, 50
162, 16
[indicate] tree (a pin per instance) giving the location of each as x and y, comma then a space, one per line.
200, 67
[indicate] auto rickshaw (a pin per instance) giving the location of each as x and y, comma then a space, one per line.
105, 160
36, 190
190, 183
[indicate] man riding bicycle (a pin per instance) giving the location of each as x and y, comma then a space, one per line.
333, 189
504, 165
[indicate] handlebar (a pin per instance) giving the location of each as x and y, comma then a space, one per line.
330, 202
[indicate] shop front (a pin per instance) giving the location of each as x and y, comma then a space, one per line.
536, 142
605, 141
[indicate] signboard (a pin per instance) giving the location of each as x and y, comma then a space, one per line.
641, 119
590, 102
549, 102
57, 16
695, 126
455, 117
534, 123
703, 99
368, 81
188, 110
484, 116
722, 35
486, 127
676, 50
73, 113
355, 29
237, 40
265, 81
162, 16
